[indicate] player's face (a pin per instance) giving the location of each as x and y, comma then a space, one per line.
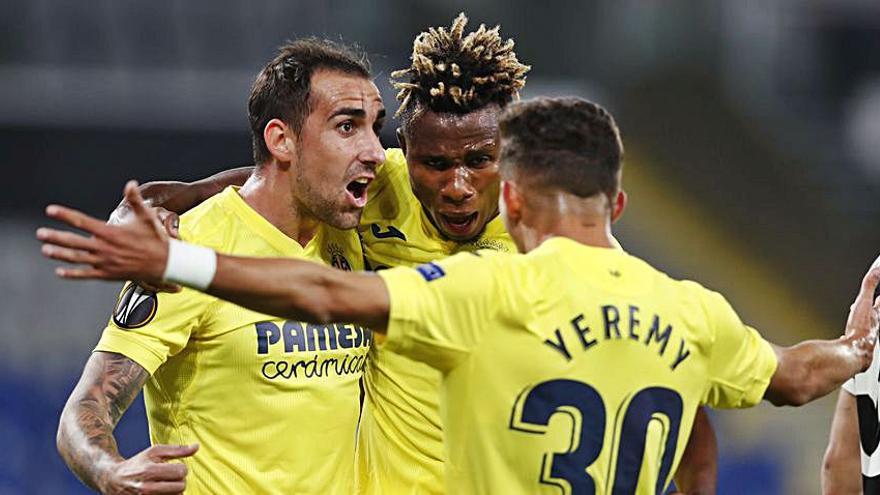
339, 148
453, 168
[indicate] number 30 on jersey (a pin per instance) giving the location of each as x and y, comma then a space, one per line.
536, 405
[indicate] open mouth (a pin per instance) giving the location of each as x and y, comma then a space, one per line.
357, 190
458, 225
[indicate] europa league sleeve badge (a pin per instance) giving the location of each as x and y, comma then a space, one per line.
135, 308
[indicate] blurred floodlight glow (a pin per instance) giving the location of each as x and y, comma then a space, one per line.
863, 128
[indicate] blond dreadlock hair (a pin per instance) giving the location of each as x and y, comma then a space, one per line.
457, 73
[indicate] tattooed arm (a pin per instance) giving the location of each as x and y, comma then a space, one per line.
109, 384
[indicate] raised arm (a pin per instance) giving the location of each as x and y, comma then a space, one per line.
109, 384
815, 368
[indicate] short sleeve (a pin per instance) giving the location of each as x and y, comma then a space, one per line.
148, 328
441, 310
741, 361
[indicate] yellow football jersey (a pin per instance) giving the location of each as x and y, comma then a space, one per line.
571, 368
274, 404
400, 440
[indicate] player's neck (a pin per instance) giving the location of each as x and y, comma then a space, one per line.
589, 234
596, 234
585, 220
268, 192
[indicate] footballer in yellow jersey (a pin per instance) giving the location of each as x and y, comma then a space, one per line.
623, 353
435, 197
254, 403
272, 402
400, 438
574, 367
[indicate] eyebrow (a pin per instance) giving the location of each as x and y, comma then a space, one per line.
434, 157
483, 146
352, 111
359, 113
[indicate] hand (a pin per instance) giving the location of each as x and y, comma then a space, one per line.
136, 250
148, 472
124, 214
864, 316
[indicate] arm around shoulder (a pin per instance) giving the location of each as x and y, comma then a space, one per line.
179, 197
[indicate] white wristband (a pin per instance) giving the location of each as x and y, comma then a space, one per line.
190, 265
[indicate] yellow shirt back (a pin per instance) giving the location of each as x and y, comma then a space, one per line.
572, 367
400, 440
273, 403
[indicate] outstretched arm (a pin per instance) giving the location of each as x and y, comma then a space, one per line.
815, 368
302, 290
108, 385
841, 467
139, 250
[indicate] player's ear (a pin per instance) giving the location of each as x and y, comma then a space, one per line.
618, 206
401, 140
511, 202
280, 140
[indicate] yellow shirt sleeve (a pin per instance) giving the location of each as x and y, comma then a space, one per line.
441, 310
149, 328
742, 362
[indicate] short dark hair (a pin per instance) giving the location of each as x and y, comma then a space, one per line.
566, 143
454, 72
282, 89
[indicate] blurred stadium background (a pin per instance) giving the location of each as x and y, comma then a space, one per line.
752, 131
